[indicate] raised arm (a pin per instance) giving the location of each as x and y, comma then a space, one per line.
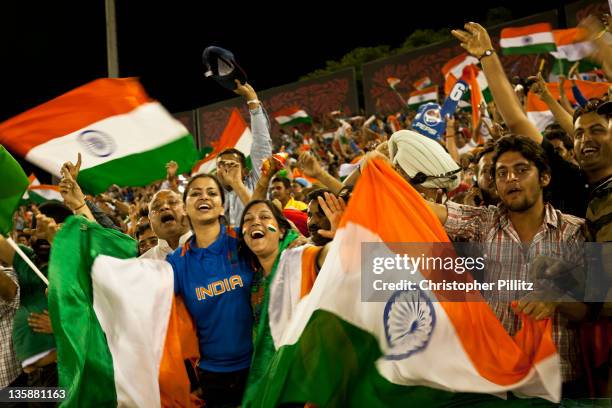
261, 189
232, 174
260, 129
476, 41
449, 138
311, 167
565, 119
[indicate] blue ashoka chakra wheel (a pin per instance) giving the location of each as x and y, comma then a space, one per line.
409, 320
97, 143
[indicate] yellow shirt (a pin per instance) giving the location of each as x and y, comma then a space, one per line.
296, 205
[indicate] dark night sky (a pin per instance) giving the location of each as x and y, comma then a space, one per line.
49, 47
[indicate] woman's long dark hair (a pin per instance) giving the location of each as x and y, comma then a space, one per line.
243, 249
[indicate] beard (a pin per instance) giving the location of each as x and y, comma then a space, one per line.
520, 205
489, 198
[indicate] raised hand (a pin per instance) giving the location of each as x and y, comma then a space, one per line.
73, 169
309, 165
46, 227
539, 86
171, 168
245, 90
333, 208
474, 39
70, 190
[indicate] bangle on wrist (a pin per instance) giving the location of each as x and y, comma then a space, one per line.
80, 206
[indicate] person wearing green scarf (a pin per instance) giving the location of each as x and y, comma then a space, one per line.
265, 234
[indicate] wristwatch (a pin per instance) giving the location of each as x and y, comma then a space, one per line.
487, 53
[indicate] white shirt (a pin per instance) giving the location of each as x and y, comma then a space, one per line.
163, 249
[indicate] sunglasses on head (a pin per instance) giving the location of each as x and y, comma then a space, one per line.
421, 177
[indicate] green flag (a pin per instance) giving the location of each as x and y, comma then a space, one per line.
14, 184
84, 361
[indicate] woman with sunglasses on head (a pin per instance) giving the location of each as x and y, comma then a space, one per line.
215, 283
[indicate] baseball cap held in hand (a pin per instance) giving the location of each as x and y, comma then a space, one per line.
222, 67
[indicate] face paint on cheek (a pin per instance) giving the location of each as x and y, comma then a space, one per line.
272, 228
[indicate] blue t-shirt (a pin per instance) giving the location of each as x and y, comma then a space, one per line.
216, 287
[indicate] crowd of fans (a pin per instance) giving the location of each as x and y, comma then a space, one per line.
502, 181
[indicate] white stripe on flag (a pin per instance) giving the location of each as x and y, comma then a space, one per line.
519, 41
145, 128
133, 300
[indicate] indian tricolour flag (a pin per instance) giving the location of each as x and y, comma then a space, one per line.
531, 39
236, 134
538, 111
122, 336
417, 98
393, 81
125, 138
291, 116
572, 44
40, 193
341, 350
452, 71
422, 83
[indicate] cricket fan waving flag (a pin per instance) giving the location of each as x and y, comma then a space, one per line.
414, 345
125, 137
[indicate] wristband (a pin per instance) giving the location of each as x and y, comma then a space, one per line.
253, 101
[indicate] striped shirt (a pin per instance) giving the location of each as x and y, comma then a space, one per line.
9, 366
261, 149
507, 258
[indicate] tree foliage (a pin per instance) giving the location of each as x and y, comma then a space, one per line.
419, 38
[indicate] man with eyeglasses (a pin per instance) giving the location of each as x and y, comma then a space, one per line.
169, 223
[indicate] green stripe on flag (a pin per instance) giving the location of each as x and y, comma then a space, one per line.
333, 365
140, 169
297, 121
84, 361
562, 66
530, 49
14, 184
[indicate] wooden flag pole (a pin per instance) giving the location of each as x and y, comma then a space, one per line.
27, 260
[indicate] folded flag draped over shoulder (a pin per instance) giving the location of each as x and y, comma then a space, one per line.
341, 351
538, 111
14, 184
291, 116
121, 336
236, 134
531, 39
125, 137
